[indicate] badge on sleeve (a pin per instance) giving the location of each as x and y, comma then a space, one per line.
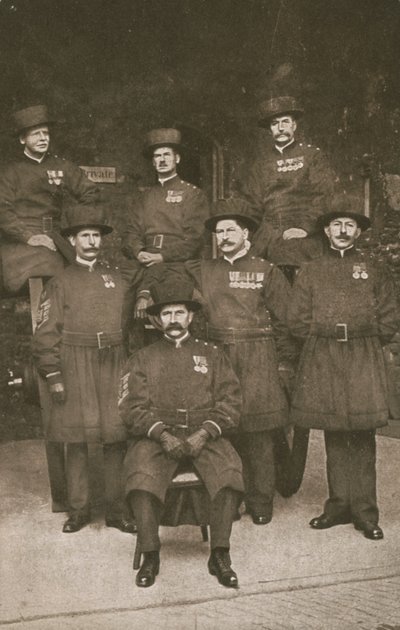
200, 364
43, 313
123, 389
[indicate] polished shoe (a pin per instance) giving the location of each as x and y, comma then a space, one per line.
146, 576
219, 564
370, 530
260, 519
75, 522
324, 521
125, 525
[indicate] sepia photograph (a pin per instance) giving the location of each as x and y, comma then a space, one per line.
200, 315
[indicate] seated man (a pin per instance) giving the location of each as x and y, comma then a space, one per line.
182, 396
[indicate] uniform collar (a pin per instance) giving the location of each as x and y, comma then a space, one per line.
342, 253
243, 252
34, 159
86, 263
285, 146
178, 342
167, 179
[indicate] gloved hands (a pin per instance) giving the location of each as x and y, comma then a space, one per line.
172, 446
57, 392
196, 442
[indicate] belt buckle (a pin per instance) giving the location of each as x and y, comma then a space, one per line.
182, 414
158, 241
341, 332
99, 345
47, 224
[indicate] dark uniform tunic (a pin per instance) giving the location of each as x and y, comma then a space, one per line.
168, 219
246, 304
344, 308
79, 334
31, 196
184, 387
288, 190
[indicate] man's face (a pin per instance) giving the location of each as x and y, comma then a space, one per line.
342, 232
283, 128
36, 140
230, 237
87, 243
165, 161
175, 319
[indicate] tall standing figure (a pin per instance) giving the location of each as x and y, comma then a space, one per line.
344, 308
79, 355
288, 185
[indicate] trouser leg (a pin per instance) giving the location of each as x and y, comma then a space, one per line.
113, 459
222, 512
256, 452
338, 467
57, 477
78, 477
363, 476
146, 509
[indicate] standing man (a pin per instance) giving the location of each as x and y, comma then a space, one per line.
167, 222
79, 355
32, 191
287, 185
344, 308
246, 299
182, 399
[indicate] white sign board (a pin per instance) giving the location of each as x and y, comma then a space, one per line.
101, 174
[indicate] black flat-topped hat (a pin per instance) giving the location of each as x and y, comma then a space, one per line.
32, 116
232, 208
170, 292
343, 206
164, 137
80, 217
278, 106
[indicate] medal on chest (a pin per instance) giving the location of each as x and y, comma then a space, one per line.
108, 281
290, 164
174, 196
55, 177
360, 271
246, 279
200, 364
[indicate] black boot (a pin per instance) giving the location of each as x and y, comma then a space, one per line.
146, 576
219, 564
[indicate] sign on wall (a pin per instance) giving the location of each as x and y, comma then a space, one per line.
101, 174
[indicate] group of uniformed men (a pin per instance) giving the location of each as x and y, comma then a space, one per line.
212, 403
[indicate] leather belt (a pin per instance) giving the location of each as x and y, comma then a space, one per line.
180, 418
98, 340
233, 335
154, 240
343, 332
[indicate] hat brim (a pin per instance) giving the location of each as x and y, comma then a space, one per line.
362, 221
265, 120
20, 130
74, 229
250, 223
149, 151
154, 309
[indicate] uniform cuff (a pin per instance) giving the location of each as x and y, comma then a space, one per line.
54, 377
212, 428
154, 433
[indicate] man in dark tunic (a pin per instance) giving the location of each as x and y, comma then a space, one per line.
344, 308
182, 398
32, 191
287, 185
78, 350
167, 221
246, 299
